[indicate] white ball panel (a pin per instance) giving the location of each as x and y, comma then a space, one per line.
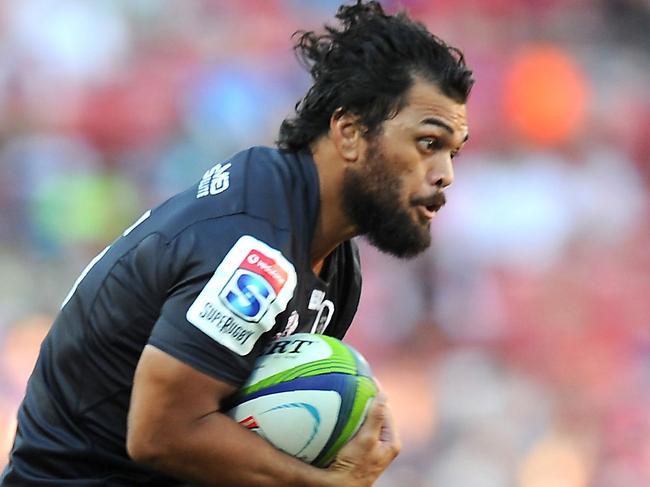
297, 422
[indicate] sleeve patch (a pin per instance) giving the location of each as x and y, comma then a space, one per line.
250, 288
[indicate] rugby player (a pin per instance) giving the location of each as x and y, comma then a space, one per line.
167, 321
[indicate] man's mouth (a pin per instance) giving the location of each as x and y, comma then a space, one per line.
426, 212
432, 204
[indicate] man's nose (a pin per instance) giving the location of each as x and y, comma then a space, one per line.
441, 173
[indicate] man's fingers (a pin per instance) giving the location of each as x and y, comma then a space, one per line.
388, 434
375, 420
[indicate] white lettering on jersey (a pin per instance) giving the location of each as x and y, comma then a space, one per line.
292, 324
316, 299
323, 317
249, 289
214, 181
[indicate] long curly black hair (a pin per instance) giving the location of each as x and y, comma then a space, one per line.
366, 67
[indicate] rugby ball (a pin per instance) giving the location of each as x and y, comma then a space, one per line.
307, 395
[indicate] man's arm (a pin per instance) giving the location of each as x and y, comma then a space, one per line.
174, 427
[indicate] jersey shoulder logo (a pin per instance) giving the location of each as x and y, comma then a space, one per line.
214, 181
254, 285
249, 289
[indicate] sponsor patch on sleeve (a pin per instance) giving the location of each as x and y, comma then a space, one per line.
250, 288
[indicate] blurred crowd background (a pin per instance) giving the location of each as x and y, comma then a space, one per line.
516, 351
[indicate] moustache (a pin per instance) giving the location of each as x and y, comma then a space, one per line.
434, 202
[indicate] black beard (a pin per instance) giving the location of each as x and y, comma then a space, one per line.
371, 199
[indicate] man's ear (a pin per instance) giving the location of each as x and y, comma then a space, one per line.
347, 133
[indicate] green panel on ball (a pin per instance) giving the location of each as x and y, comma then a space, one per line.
343, 360
363, 367
366, 390
307, 370
345, 350
339, 349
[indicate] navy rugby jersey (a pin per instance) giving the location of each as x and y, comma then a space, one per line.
209, 277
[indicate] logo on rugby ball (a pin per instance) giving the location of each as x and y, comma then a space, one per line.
249, 423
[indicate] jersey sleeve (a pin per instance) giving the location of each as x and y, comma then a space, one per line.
229, 281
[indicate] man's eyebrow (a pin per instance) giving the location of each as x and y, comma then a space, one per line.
439, 123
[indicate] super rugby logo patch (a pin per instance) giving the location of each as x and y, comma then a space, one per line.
249, 289
254, 286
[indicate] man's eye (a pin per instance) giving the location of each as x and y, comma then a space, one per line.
430, 143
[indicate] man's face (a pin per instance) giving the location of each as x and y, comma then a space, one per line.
394, 193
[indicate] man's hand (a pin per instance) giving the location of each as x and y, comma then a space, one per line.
372, 449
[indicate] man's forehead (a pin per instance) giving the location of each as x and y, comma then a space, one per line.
426, 104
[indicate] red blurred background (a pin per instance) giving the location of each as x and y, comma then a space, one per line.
516, 351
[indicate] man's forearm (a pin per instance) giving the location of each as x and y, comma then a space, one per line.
216, 451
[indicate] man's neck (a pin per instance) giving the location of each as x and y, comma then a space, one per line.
333, 226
